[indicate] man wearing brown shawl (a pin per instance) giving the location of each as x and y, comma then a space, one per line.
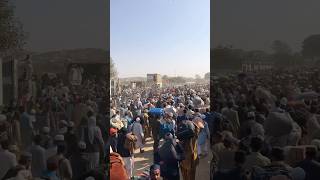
189, 165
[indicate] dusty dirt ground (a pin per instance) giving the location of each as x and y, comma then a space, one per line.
145, 160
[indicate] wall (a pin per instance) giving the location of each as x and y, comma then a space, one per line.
1, 83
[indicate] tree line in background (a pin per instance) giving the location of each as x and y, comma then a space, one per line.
181, 80
228, 57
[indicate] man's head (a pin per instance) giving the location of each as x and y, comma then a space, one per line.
184, 111
313, 109
283, 102
25, 159
70, 126
256, 144
311, 152
5, 144
46, 130
37, 140
59, 139
61, 149
240, 157
230, 104
90, 113
165, 104
217, 137
228, 143
168, 136
155, 172
21, 109
251, 115
138, 119
277, 154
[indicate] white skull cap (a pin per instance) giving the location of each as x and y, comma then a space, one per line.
59, 137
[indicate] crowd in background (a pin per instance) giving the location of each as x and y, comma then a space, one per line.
59, 134
262, 125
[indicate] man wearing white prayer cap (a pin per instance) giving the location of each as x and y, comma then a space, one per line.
52, 151
46, 130
71, 124
63, 127
3, 118
59, 138
46, 138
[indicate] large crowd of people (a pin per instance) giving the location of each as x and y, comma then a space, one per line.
56, 135
173, 117
263, 125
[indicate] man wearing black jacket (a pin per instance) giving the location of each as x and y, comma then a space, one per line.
171, 153
125, 153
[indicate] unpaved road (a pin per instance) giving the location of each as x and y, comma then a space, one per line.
145, 160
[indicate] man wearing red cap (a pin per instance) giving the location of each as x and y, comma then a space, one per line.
113, 140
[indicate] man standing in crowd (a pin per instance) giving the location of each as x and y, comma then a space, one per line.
189, 165
155, 127
138, 131
8, 160
256, 158
126, 154
38, 165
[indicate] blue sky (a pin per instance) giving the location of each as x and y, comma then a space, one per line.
169, 37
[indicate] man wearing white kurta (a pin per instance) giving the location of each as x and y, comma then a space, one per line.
8, 160
39, 160
138, 131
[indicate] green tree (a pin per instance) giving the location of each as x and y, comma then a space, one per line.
282, 53
311, 46
178, 79
226, 57
207, 76
165, 77
280, 47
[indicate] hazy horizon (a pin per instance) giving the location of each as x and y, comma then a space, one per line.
145, 76
59, 24
169, 37
254, 25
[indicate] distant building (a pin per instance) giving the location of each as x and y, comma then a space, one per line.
138, 84
256, 66
256, 61
154, 80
